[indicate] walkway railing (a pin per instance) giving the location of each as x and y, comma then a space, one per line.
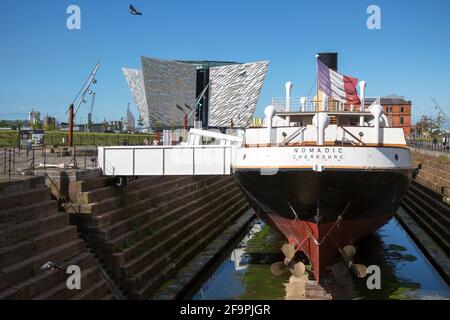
15, 161
429, 145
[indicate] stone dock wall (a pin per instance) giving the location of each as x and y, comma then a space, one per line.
428, 197
147, 230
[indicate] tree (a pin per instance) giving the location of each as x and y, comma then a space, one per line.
37, 126
427, 127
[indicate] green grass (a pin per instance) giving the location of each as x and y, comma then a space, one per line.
55, 138
8, 138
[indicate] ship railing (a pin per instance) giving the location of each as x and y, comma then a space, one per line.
312, 105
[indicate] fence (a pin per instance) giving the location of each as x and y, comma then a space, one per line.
16, 161
55, 138
429, 145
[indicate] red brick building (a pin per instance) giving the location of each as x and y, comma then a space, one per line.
397, 110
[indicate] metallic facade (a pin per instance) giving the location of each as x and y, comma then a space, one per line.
234, 93
170, 91
164, 90
135, 80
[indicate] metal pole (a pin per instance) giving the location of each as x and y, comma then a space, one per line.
45, 157
9, 164
71, 125
32, 168
14, 158
4, 168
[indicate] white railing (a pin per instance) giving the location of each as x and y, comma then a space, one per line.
166, 160
312, 105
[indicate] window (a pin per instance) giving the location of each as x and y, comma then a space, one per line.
402, 109
402, 121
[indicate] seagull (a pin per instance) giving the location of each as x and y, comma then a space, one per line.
50, 266
134, 11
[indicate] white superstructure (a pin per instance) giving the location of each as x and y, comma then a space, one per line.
306, 137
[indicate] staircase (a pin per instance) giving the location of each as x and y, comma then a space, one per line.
148, 229
434, 173
427, 198
33, 232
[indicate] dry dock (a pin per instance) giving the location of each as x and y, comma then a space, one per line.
195, 237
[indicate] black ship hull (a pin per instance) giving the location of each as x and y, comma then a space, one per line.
324, 211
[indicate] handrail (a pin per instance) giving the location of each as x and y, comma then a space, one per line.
293, 135
353, 136
65, 202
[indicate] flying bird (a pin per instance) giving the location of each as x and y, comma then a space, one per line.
134, 11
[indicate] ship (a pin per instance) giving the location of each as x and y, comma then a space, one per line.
325, 174
325, 170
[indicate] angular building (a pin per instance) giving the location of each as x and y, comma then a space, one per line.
213, 92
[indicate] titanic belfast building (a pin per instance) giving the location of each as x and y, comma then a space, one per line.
217, 93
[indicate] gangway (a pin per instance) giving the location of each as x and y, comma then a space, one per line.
189, 158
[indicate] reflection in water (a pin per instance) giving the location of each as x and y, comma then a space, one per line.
245, 273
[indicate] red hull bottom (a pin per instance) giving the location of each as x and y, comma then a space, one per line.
321, 242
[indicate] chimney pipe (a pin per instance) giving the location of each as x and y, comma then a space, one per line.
362, 97
288, 87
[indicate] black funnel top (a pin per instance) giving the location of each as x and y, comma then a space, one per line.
330, 59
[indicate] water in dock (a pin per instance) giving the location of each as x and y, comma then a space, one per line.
244, 273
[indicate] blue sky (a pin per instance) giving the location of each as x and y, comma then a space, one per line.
43, 64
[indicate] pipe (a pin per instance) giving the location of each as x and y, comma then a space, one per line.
377, 111
303, 103
362, 97
362, 94
71, 125
288, 87
269, 113
321, 120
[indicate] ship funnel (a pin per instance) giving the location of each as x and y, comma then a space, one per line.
321, 120
376, 111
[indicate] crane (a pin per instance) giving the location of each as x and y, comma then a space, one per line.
80, 98
441, 114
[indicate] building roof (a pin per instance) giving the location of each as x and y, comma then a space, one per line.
390, 100
206, 64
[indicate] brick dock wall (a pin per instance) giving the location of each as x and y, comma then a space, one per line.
428, 198
33, 231
147, 230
